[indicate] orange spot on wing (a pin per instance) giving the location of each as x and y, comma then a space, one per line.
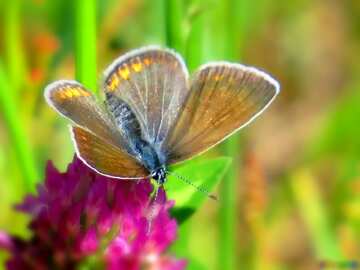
68, 93
76, 92
137, 67
113, 83
147, 61
124, 73
61, 95
85, 93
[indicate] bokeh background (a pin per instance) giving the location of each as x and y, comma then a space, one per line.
291, 199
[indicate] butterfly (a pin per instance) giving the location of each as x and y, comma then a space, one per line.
154, 114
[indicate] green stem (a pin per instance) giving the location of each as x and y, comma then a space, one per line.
227, 210
228, 190
312, 209
85, 43
174, 24
14, 56
158, 28
195, 42
17, 133
174, 16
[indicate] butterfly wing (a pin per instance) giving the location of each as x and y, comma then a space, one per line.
105, 158
153, 82
72, 100
223, 98
97, 140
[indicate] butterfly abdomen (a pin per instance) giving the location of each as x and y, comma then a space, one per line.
123, 116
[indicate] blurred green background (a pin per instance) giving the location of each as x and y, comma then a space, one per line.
291, 197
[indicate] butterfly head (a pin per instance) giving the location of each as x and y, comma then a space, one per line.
159, 175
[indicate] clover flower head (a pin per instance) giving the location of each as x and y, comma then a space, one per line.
82, 218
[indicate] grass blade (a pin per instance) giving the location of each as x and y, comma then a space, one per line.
17, 134
227, 211
312, 209
14, 53
85, 43
174, 20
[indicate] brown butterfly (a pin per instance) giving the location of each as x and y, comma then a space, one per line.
154, 115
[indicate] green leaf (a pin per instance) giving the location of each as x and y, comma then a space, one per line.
205, 174
194, 264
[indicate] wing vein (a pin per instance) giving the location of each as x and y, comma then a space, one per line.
146, 102
162, 109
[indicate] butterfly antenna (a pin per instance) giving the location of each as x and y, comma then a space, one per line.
200, 189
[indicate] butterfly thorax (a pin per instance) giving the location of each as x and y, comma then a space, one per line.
146, 154
151, 161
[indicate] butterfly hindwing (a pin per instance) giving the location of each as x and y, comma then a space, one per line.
153, 82
104, 157
223, 98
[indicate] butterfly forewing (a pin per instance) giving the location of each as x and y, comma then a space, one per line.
78, 104
153, 82
104, 157
223, 98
